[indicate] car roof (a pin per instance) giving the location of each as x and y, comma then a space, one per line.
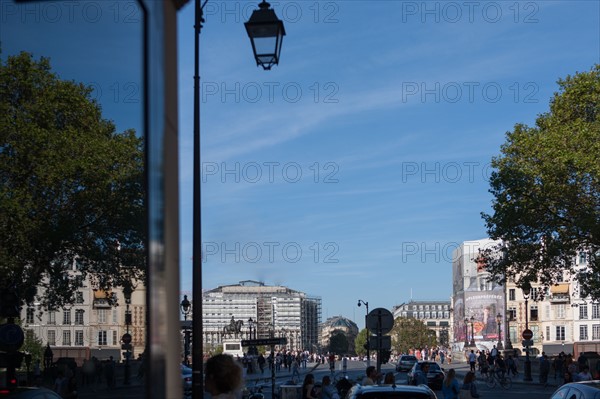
391, 388
587, 385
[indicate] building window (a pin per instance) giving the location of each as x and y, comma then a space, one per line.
421, 315
79, 317
583, 333
114, 338
102, 338
533, 315
595, 311
595, 331
583, 313
115, 317
560, 311
512, 313
446, 315
102, 316
30, 314
52, 337
79, 297
511, 294
52, 318
582, 258
79, 338
67, 338
547, 333
427, 315
560, 333
67, 317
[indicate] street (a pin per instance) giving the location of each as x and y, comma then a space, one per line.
355, 372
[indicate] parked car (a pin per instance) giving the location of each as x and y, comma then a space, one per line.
406, 362
29, 393
579, 390
435, 375
186, 377
390, 392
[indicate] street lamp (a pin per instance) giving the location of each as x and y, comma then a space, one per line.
499, 323
265, 28
368, 344
127, 291
472, 331
186, 308
266, 33
466, 332
507, 331
526, 288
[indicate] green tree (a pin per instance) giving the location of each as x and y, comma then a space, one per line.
546, 188
338, 343
72, 187
410, 333
34, 346
360, 341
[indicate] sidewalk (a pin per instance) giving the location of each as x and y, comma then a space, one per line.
463, 367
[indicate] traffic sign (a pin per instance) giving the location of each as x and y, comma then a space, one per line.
126, 338
11, 337
384, 343
380, 321
527, 334
266, 341
527, 342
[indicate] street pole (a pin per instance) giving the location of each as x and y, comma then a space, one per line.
368, 332
472, 331
466, 332
499, 323
507, 333
527, 376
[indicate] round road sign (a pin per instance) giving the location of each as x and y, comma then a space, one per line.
527, 334
380, 320
126, 338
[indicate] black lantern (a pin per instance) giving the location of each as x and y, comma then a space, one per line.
266, 33
185, 307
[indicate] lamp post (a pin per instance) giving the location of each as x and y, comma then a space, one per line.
368, 344
127, 291
507, 331
186, 308
499, 323
466, 332
472, 331
266, 33
526, 288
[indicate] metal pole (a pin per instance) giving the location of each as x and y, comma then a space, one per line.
127, 351
527, 376
197, 337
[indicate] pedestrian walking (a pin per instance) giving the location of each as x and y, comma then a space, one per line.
451, 387
469, 388
472, 359
544, 369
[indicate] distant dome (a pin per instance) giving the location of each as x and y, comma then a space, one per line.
339, 321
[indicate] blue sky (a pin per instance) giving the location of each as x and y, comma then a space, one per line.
368, 147
355, 167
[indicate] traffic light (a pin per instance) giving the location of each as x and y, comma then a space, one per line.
385, 355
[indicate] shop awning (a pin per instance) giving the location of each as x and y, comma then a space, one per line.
560, 288
555, 349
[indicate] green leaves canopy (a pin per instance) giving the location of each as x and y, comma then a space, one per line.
546, 190
71, 187
409, 333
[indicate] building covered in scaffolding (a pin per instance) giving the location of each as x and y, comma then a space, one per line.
252, 309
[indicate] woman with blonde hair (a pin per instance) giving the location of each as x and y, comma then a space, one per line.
469, 386
451, 387
223, 377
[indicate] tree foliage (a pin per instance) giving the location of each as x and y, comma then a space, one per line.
338, 342
360, 341
71, 187
546, 188
410, 333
